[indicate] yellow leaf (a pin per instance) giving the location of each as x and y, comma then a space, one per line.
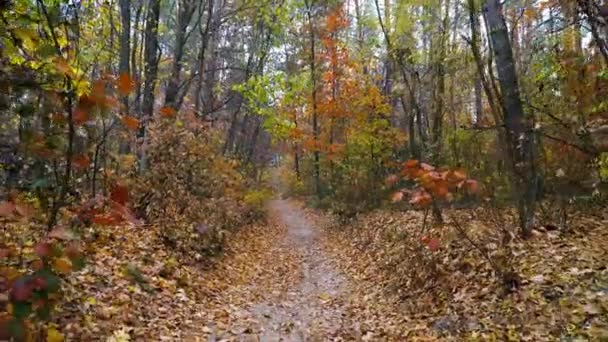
121, 335
62, 265
53, 335
92, 300
27, 36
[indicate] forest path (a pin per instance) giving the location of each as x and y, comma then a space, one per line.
313, 308
293, 290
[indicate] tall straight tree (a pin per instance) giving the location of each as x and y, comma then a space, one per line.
313, 77
185, 10
518, 130
125, 41
151, 58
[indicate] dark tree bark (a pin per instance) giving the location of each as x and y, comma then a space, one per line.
518, 131
125, 42
150, 61
208, 32
184, 15
313, 76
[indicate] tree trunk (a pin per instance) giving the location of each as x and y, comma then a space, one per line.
150, 71
518, 131
202, 59
125, 54
315, 119
185, 11
125, 42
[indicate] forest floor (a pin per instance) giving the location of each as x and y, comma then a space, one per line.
300, 293
274, 281
296, 277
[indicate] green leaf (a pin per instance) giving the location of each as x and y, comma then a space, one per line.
21, 310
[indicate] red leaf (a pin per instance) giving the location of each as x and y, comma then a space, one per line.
167, 112
433, 244
80, 115
4, 253
471, 186
6, 209
125, 84
130, 122
43, 249
119, 194
123, 213
39, 283
21, 290
104, 220
391, 180
81, 161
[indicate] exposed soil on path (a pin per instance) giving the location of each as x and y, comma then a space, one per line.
286, 283
301, 298
313, 308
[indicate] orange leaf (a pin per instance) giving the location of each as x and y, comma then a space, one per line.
397, 196
421, 198
167, 112
7, 208
411, 163
98, 92
62, 265
440, 190
130, 122
81, 161
125, 84
63, 66
24, 210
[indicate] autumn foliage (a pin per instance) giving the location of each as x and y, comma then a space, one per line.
431, 184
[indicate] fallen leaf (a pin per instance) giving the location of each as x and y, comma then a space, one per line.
53, 335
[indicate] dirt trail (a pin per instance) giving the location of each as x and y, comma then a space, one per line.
313, 309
